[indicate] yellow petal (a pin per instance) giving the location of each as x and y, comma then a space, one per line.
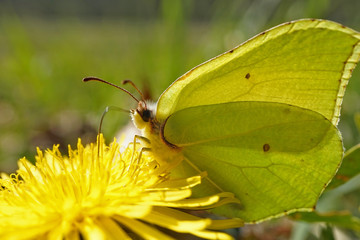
91, 231
226, 224
212, 235
112, 229
176, 220
131, 211
170, 195
143, 230
179, 183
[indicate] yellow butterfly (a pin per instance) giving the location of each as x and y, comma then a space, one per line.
260, 119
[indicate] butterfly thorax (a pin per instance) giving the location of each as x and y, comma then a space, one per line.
145, 120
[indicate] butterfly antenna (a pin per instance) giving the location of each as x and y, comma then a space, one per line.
136, 88
88, 79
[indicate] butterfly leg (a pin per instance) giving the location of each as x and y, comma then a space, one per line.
140, 138
138, 161
107, 109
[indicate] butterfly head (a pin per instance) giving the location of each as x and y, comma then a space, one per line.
143, 114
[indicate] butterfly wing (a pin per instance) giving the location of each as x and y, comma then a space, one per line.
276, 158
305, 63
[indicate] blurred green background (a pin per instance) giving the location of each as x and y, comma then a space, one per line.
47, 47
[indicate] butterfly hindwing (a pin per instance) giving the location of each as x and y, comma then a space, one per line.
274, 157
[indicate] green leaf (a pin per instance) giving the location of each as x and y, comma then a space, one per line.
327, 233
349, 168
342, 219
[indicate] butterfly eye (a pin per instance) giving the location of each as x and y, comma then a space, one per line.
143, 111
146, 115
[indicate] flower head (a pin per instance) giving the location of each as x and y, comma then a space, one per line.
98, 192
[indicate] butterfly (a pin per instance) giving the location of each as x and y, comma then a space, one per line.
260, 119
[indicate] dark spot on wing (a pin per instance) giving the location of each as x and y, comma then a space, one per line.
266, 147
247, 76
262, 33
231, 51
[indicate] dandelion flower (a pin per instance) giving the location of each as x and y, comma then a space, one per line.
102, 194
